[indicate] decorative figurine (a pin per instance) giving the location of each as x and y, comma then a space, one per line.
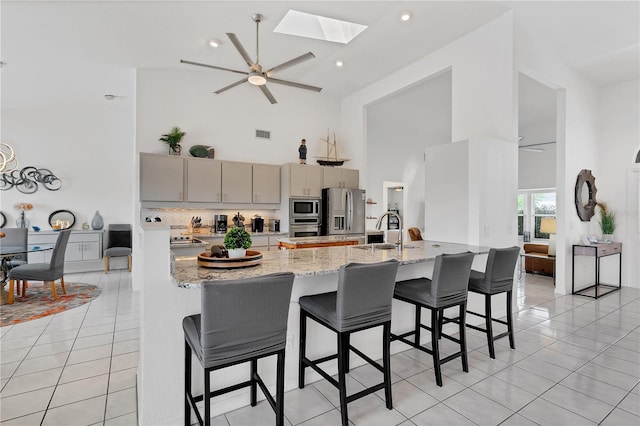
302, 150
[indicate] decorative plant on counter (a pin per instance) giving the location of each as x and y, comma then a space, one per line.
607, 220
173, 139
237, 241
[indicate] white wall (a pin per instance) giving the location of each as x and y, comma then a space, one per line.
228, 121
399, 128
616, 174
483, 102
577, 137
538, 169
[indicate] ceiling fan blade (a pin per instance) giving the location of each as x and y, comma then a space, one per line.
240, 49
293, 84
268, 94
292, 62
182, 61
243, 80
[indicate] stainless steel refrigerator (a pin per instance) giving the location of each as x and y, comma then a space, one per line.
343, 211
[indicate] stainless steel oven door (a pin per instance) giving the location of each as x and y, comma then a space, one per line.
304, 231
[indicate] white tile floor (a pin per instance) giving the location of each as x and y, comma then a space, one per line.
577, 361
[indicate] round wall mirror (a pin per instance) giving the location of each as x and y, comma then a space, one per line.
585, 195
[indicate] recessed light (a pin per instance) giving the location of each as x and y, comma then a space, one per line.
339, 63
214, 42
405, 16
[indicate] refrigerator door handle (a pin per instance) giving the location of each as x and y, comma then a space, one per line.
349, 210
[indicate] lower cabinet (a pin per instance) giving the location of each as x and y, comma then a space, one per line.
83, 248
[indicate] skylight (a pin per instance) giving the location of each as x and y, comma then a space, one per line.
318, 27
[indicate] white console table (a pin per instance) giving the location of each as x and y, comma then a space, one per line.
84, 250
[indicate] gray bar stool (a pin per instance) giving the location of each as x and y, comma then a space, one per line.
241, 321
447, 288
363, 301
497, 278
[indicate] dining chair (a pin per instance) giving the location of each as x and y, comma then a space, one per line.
415, 234
497, 278
362, 301
447, 288
46, 272
119, 244
241, 321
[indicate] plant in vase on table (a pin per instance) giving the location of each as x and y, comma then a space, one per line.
22, 221
607, 221
237, 241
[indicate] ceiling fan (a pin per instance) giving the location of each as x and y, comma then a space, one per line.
256, 74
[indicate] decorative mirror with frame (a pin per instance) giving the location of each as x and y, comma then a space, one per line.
585, 195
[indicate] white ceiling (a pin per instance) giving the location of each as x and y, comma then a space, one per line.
598, 39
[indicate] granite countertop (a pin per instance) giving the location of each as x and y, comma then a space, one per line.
315, 261
320, 239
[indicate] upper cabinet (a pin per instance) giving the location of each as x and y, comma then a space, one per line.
305, 180
266, 184
337, 177
161, 177
204, 180
236, 182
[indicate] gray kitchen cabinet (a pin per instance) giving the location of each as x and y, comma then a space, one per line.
337, 177
204, 180
237, 179
161, 177
266, 184
305, 180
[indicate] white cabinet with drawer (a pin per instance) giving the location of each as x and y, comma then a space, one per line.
83, 248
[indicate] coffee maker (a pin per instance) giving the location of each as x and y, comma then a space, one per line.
221, 223
258, 224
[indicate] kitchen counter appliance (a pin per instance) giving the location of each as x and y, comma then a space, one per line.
257, 225
343, 211
221, 223
304, 217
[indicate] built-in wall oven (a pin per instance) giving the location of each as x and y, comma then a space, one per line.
304, 217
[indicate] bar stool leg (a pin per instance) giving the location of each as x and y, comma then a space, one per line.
187, 384
207, 398
253, 372
347, 337
280, 390
487, 318
417, 331
302, 350
434, 346
512, 341
463, 337
342, 385
386, 355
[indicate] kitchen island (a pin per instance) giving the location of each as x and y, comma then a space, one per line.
167, 298
291, 243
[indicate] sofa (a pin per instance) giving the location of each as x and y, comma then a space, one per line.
542, 266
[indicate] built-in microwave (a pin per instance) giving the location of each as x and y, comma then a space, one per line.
304, 208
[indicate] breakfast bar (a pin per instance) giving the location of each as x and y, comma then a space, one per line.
172, 291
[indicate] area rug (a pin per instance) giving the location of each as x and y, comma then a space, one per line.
38, 302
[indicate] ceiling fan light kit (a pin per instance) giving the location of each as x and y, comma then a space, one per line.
256, 76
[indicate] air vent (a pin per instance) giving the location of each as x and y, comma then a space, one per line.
263, 134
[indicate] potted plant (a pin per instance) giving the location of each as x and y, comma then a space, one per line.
237, 241
173, 139
607, 221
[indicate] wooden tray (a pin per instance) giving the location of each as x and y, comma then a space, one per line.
251, 259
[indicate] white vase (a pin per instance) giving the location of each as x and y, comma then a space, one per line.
237, 253
607, 237
97, 223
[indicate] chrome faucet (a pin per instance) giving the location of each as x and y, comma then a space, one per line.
390, 213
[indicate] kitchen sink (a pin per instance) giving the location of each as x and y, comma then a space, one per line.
382, 246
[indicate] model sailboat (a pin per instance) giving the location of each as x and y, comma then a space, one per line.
331, 158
